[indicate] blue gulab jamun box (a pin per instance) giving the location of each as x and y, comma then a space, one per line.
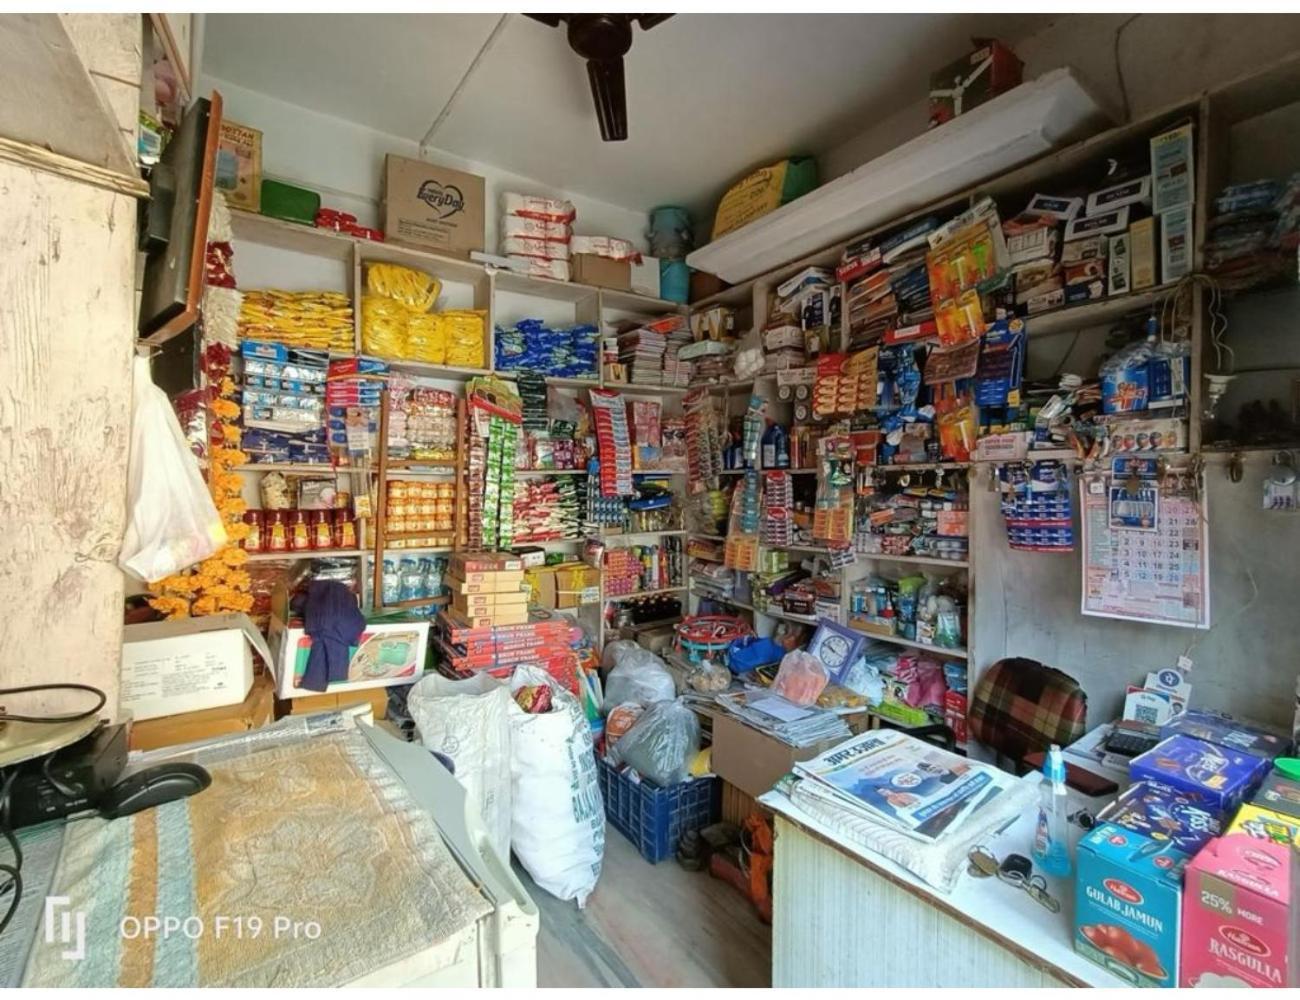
1223, 777
1127, 904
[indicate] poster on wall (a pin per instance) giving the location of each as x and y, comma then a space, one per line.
1134, 494
1156, 573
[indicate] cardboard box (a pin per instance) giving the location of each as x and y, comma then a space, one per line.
1279, 794
1128, 902
966, 83
765, 190
256, 710
389, 653
465, 565
432, 207
1265, 824
486, 583
588, 269
239, 166
1225, 778
754, 761
1142, 253
645, 276
1241, 924
376, 698
188, 664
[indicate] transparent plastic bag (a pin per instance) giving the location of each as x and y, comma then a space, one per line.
661, 744
639, 676
172, 522
801, 678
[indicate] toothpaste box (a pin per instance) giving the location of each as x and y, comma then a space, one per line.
1224, 778
1225, 731
1239, 925
1127, 904
1163, 813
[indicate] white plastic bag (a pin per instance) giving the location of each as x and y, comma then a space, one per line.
661, 744
639, 676
557, 825
468, 721
172, 522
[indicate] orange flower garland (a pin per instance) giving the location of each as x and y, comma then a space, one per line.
219, 583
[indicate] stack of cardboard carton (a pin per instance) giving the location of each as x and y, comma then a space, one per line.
488, 589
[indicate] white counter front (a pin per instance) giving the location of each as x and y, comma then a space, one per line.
846, 916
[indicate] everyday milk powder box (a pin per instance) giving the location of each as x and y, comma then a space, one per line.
1239, 925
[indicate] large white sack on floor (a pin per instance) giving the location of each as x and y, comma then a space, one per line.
639, 676
557, 823
468, 721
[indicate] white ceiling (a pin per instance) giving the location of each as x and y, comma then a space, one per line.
709, 95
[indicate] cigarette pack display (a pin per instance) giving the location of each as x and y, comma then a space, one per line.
1176, 243
1131, 192
1118, 265
1104, 224
1142, 248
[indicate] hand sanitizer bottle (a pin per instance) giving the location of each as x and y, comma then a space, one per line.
1051, 838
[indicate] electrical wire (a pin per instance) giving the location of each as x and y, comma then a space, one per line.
1119, 65
14, 886
53, 719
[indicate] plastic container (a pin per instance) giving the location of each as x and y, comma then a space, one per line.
654, 818
1051, 844
674, 281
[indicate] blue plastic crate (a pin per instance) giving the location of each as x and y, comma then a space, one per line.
655, 818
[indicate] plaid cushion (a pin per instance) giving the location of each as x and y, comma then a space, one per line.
1021, 706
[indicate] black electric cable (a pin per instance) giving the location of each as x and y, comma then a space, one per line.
52, 719
14, 871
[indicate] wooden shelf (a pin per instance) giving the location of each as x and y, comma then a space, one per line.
555, 380
426, 550
628, 389
635, 302
291, 235
298, 469
666, 533
609, 598
1082, 315
915, 559
920, 467
898, 640
711, 538
415, 602
550, 472
260, 557
785, 616
542, 288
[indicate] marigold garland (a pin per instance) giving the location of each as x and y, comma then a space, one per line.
219, 583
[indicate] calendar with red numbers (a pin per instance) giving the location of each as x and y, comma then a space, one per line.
1159, 576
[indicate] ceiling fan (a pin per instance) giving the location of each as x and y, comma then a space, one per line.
603, 40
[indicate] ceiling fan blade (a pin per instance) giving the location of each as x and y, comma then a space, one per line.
610, 97
648, 21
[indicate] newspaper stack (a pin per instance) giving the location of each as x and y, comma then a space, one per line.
794, 725
641, 352
677, 372
905, 784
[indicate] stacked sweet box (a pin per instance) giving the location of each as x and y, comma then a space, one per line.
488, 589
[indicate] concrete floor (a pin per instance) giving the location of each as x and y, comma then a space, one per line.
650, 925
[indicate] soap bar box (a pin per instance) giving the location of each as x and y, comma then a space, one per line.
1241, 926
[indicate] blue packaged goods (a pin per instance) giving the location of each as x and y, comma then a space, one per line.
1128, 903
1226, 731
1224, 778
1162, 813
561, 352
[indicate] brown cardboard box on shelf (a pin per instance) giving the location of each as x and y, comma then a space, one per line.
588, 269
376, 697
256, 710
239, 165
754, 761
432, 207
